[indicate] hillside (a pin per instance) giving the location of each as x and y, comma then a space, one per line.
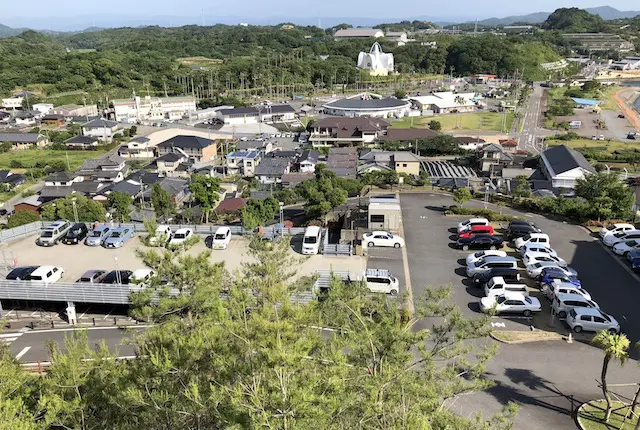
605, 12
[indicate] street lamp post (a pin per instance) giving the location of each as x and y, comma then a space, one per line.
118, 277
75, 209
282, 215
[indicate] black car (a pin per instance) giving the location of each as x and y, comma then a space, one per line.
511, 276
117, 277
520, 229
76, 234
21, 273
631, 136
480, 241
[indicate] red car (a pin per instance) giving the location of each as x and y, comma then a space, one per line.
477, 229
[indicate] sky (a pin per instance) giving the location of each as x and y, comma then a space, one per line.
49, 14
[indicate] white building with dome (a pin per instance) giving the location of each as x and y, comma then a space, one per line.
376, 62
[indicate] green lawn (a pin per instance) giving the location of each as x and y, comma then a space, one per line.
29, 158
484, 121
592, 417
612, 146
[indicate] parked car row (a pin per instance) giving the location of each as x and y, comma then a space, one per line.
497, 274
51, 274
73, 234
624, 240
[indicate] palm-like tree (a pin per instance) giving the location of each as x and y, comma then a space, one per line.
614, 346
460, 101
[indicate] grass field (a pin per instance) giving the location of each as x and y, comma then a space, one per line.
6, 195
591, 417
484, 121
612, 146
29, 157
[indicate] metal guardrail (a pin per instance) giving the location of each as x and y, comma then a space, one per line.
20, 231
115, 294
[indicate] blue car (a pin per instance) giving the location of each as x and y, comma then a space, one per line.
118, 237
98, 235
548, 275
633, 254
635, 265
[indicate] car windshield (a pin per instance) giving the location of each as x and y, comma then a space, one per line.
179, 236
478, 254
611, 227
96, 234
528, 300
220, 236
116, 234
605, 316
47, 234
527, 237
501, 299
310, 239
573, 313
619, 234
85, 279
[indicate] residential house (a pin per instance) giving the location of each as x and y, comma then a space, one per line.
25, 118
243, 163
468, 143
29, 204
101, 128
54, 120
107, 168
58, 185
342, 131
138, 147
231, 205
493, 159
400, 161
153, 108
446, 102
12, 102
255, 145
307, 161
400, 37
561, 167
407, 134
292, 179
173, 165
43, 108
24, 140
75, 110
343, 162
271, 170
255, 115
10, 179
508, 145
197, 149
177, 189
357, 33
82, 142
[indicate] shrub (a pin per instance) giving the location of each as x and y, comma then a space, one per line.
489, 214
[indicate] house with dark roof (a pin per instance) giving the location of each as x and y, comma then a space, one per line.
54, 119
138, 147
562, 166
11, 179
342, 131
107, 168
254, 115
82, 142
231, 205
24, 140
400, 161
27, 118
271, 170
177, 189
290, 180
101, 128
196, 149
243, 163
173, 165
343, 162
407, 134
308, 160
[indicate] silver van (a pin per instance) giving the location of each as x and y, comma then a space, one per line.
492, 262
563, 303
52, 234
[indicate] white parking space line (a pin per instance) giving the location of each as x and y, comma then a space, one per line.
23, 352
8, 339
33, 313
107, 315
83, 313
7, 335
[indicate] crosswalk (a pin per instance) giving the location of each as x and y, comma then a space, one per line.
8, 338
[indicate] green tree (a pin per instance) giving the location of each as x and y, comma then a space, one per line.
162, 202
21, 218
259, 212
435, 125
322, 194
400, 94
461, 196
521, 187
606, 194
206, 193
614, 346
120, 203
88, 210
438, 145
381, 178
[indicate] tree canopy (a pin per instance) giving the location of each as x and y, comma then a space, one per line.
88, 210
574, 20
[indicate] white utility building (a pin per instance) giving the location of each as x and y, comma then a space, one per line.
376, 62
153, 108
446, 102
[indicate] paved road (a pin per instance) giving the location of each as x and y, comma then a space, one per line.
32, 346
531, 133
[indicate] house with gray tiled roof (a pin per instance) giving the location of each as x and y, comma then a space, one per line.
100, 128
271, 170
24, 140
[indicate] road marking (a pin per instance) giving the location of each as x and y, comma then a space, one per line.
23, 352
107, 315
83, 313
407, 276
6, 335
57, 330
498, 324
8, 339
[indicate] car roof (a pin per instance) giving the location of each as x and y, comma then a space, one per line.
589, 311
379, 232
101, 227
535, 234
183, 230
42, 270
513, 295
567, 285
312, 229
564, 296
91, 272
58, 223
121, 229
478, 220
141, 273
497, 258
622, 224
222, 230
520, 222
479, 227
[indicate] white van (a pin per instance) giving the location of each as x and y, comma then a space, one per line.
498, 286
622, 236
538, 238
311, 240
221, 238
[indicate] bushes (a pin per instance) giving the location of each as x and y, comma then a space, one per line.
489, 214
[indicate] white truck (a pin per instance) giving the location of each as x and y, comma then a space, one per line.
498, 286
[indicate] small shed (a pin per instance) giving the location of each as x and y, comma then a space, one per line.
384, 214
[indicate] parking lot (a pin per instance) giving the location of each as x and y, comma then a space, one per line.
544, 378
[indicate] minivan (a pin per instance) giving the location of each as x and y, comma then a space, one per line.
563, 303
52, 234
311, 240
516, 230
466, 225
539, 238
489, 263
498, 286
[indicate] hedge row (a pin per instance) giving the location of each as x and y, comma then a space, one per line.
489, 214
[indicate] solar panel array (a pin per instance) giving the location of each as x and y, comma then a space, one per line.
444, 169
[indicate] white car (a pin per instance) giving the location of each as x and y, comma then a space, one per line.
563, 303
466, 225
47, 274
141, 276
534, 271
591, 319
536, 248
551, 289
538, 238
221, 238
530, 259
381, 281
511, 302
382, 238
615, 228
476, 256
621, 248
163, 232
621, 236
180, 236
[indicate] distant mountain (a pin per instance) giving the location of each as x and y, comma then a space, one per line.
8, 31
605, 12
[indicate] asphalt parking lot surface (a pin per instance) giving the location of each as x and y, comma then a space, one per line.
541, 377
